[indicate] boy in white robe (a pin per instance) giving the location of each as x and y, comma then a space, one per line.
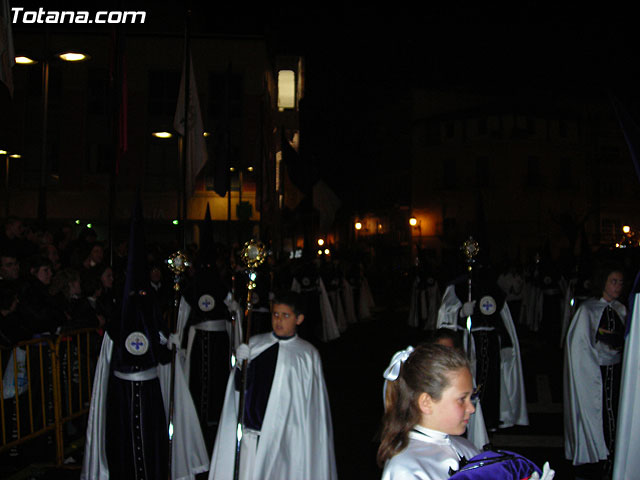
287, 431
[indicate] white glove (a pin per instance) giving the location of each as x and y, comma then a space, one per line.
243, 352
547, 473
467, 309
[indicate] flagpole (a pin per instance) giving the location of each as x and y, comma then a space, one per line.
185, 137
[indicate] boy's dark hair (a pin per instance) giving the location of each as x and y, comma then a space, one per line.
37, 261
601, 274
292, 299
446, 333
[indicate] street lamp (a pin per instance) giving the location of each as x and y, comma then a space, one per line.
70, 56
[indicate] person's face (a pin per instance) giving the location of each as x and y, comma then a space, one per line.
52, 254
74, 288
613, 286
9, 268
155, 275
451, 413
43, 274
284, 320
96, 254
107, 278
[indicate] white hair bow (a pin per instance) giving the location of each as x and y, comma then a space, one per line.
393, 370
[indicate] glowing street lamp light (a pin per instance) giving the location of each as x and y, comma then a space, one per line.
162, 135
358, 226
413, 221
24, 60
626, 229
73, 56
320, 242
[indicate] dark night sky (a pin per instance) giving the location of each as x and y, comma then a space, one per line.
357, 56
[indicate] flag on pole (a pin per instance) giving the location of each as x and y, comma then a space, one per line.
196, 145
7, 54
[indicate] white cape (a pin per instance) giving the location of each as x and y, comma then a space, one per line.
296, 439
627, 461
583, 432
429, 455
189, 453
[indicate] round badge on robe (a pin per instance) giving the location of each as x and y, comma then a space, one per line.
206, 303
487, 305
137, 343
306, 282
547, 280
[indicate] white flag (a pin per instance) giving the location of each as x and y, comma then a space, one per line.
626, 459
196, 146
7, 55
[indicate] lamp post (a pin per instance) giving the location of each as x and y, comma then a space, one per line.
7, 158
68, 56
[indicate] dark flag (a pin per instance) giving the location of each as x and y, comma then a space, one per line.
7, 52
300, 172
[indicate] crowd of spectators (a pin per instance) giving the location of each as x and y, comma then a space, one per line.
54, 281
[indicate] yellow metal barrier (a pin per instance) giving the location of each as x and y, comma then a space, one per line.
46, 388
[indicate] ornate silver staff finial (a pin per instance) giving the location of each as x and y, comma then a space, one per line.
470, 248
253, 254
178, 262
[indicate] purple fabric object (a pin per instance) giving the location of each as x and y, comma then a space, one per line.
497, 465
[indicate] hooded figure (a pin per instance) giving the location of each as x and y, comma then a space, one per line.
128, 431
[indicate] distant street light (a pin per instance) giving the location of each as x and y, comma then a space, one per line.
358, 226
24, 60
162, 135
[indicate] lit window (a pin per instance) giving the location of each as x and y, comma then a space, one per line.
286, 89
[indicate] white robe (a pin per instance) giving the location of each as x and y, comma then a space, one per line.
189, 453
513, 403
428, 456
584, 440
296, 439
627, 460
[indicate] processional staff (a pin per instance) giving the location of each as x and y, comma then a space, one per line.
254, 254
470, 249
178, 264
